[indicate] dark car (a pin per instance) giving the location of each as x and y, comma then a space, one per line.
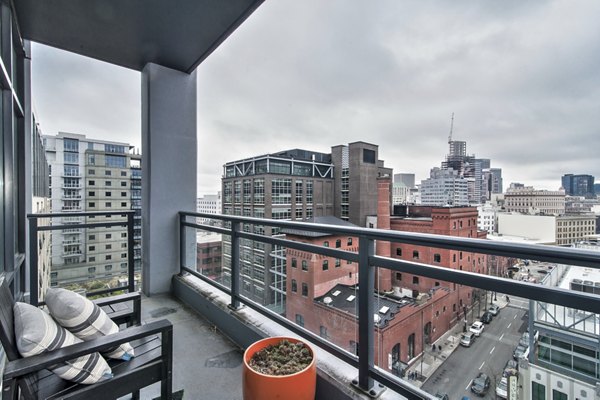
511, 368
481, 384
487, 317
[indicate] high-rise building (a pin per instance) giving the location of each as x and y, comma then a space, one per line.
295, 185
492, 182
406, 179
92, 175
444, 188
209, 204
578, 185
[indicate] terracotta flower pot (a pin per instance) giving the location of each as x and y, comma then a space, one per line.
298, 386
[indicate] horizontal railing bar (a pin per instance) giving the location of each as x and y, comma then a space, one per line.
327, 251
105, 291
564, 297
210, 228
556, 254
80, 214
90, 225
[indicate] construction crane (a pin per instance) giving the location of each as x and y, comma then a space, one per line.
451, 128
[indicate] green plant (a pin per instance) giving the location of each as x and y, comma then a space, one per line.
283, 358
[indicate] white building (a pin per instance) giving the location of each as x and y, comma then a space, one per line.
487, 217
547, 229
208, 204
528, 200
444, 187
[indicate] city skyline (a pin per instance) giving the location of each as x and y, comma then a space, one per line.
525, 98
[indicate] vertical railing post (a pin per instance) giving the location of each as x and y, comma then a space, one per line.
33, 262
366, 285
130, 254
182, 242
235, 265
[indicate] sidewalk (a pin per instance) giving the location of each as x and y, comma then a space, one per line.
423, 368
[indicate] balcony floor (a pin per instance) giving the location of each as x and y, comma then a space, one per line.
206, 364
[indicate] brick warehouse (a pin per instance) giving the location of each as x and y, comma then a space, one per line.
412, 311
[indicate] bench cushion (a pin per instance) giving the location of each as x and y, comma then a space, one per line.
84, 319
36, 332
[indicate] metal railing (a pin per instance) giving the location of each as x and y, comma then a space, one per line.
33, 243
368, 261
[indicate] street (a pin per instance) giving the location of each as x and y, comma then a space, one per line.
488, 354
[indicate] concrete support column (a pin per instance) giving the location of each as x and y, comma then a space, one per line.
169, 160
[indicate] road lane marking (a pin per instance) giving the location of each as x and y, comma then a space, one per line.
469, 385
481, 366
509, 325
501, 336
493, 348
515, 317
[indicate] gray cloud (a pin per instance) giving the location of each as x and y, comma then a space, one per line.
521, 76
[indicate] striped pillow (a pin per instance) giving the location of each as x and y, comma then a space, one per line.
36, 332
84, 319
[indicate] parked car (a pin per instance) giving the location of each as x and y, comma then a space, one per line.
494, 309
511, 368
487, 317
520, 352
481, 384
477, 328
442, 396
501, 388
467, 339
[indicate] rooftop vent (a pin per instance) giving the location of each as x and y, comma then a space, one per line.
376, 318
327, 300
336, 293
350, 298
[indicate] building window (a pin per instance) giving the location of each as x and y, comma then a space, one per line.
349, 241
91, 270
326, 244
92, 183
107, 172
538, 391
91, 248
123, 255
92, 237
415, 280
304, 265
108, 194
558, 395
338, 243
124, 184
323, 332
369, 156
294, 263
123, 234
325, 265
92, 194
108, 236
107, 204
416, 254
399, 251
398, 276
108, 257
304, 289
91, 204
92, 172
109, 247
123, 194
437, 258
294, 286
338, 263
299, 319
123, 204
92, 259
123, 173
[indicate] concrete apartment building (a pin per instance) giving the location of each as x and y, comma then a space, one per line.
91, 175
444, 188
402, 191
528, 200
209, 204
295, 185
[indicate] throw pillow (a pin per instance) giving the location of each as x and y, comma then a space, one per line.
36, 332
84, 319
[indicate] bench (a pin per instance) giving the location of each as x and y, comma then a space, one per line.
153, 361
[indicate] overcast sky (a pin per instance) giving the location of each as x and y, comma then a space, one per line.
522, 77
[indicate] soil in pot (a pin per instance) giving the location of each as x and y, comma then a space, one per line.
283, 358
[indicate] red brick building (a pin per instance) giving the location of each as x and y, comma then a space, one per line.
321, 293
208, 255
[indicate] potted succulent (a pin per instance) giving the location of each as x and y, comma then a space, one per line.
279, 368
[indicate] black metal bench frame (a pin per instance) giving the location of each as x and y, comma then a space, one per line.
153, 362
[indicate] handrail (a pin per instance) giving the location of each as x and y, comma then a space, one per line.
34, 229
368, 261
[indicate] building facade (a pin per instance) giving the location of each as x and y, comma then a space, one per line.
444, 187
528, 200
90, 175
209, 204
579, 185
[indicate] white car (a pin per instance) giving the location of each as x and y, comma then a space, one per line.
501, 388
477, 328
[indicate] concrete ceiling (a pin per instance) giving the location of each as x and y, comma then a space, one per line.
178, 34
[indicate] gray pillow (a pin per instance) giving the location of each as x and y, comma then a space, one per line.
84, 319
36, 332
